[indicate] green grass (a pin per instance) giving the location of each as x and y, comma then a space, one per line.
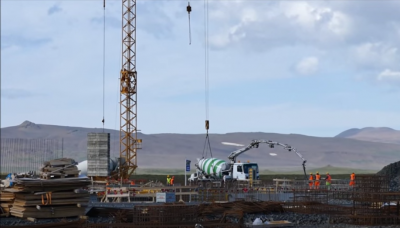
140, 171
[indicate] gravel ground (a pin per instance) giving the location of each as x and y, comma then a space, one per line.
13, 221
300, 220
393, 171
306, 220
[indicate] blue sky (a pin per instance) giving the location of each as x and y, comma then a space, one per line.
306, 67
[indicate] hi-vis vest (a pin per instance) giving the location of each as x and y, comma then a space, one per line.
328, 179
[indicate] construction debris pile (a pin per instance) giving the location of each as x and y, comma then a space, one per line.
57, 196
6, 202
393, 172
59, 168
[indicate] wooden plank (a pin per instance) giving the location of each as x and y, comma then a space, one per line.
19, 202
6, 209
44, 208
6, 196
6, 204
49, 214
31, 219
54, 195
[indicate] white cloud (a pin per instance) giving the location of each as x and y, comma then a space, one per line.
279, 24
307, 66
376, 55
389, 76
171, 73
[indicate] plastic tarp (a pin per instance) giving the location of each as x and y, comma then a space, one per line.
8, 177
257, 221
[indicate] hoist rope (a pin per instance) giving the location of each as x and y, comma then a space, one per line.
207, 145
189, 9
206, 55
104, 58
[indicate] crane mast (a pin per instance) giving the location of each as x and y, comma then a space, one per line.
129, 143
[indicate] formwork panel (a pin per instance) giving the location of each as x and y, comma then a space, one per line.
98, 154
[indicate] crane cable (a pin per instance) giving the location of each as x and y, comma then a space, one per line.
189, 9
104, 56
207, 145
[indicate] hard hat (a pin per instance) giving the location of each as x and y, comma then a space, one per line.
317, 172
327, 173
310, 173
167, 175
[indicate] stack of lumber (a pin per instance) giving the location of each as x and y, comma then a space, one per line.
52, 198
59, 168
6, 202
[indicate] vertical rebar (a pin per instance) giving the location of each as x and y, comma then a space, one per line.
21, 155
62, 147
38, 159
42, 144
13, 157
33, 155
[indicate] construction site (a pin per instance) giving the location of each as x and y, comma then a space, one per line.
52, 190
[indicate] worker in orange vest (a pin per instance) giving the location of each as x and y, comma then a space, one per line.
352, 180
311, 181
317, 178
172, 180
328, 179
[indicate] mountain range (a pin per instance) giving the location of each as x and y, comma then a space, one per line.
366, 149
372, 134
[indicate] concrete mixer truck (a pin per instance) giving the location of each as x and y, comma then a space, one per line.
213, 169
83, 166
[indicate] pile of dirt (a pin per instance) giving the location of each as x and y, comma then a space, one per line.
393, 171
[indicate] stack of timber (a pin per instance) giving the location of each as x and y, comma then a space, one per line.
6, 202
50, 198
59, 168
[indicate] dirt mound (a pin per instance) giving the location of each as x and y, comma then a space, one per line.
393, 171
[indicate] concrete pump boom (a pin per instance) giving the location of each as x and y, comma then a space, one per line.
255, 144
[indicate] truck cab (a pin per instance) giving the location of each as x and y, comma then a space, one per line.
241, 171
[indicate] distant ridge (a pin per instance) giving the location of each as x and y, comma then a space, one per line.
373, 134
169, 151
349, 133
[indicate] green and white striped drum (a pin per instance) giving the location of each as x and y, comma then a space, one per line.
212, 166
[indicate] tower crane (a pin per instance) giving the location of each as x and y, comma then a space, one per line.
129, 143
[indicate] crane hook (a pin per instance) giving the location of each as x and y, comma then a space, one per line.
189, 9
